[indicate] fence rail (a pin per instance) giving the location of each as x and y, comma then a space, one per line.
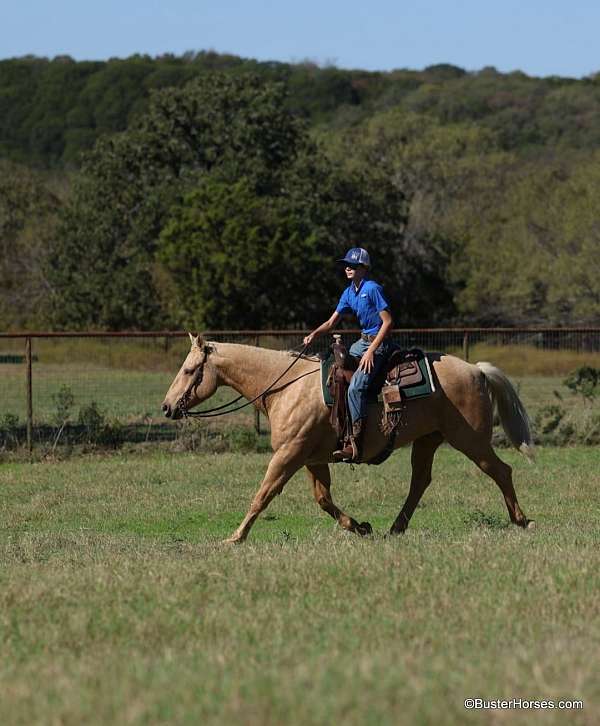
56, 382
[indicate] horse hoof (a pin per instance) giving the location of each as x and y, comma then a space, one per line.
364, 529
232, 541
531, 525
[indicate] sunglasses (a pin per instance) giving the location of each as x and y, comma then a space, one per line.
352, 267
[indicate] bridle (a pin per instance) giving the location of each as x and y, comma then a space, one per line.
197, 379
218, 410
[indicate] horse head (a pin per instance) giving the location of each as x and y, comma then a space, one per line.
195, 382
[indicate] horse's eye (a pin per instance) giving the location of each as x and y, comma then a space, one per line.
188, 371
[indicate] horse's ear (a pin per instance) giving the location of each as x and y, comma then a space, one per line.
197, 341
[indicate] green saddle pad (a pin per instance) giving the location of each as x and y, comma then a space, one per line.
425, 388
326, 364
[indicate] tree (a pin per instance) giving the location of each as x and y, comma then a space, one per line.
103, 270
533, 259
101, 266
237, 259
245, 255
28, 215
435, 167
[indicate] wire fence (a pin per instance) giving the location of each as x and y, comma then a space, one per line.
108, 387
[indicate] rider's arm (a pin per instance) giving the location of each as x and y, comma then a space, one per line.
323, 328
386, 326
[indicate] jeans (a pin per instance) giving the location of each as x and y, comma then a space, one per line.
359, 385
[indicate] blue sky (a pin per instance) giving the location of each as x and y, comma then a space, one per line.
539, 37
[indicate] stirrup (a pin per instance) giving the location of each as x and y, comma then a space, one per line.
348, 454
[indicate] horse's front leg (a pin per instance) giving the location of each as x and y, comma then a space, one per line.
319, 476
285, 463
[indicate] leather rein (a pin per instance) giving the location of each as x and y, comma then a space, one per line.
218, 410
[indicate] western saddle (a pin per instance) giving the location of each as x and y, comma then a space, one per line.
401, 370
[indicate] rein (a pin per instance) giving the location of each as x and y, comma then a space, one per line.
218, 410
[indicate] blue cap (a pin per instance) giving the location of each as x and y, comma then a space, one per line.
357, 256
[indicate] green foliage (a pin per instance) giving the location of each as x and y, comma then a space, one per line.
434, 167
236, 126
530, 252
214, 210
238, 260
196, 436
37, 98
95, 430
316, 93
560, 425
548, 419
9, 431
245, 439
28, 214
92, 420
103, 269
554, 426
91, 429
485, 520
64, 401
476, 193
101, 266
52, 110
584, 381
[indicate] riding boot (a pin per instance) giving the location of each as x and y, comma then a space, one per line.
352, 452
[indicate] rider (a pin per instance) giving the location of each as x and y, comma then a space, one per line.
363, 297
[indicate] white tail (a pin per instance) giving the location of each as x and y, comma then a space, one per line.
513, 416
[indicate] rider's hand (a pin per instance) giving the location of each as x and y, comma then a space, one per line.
366, 362
309, 339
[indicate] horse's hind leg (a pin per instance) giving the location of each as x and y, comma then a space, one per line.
320, 478
481, 452
423, 451
501, 473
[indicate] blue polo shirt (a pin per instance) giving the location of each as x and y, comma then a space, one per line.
366, 303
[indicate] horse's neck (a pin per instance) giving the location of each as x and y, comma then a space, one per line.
247, 369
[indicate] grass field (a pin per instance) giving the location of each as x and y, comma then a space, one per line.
118, 604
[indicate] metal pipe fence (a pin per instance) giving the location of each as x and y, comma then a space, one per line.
56, 387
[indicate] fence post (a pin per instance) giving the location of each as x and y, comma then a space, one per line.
29, 397
466, 346
256, 411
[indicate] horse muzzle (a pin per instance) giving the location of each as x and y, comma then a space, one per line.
171, 412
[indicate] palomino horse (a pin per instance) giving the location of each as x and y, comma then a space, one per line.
460, 412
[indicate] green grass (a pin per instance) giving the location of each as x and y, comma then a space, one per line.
118, 604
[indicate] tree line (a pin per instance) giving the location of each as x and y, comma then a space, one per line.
212, 191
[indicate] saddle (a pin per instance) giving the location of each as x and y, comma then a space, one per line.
338, 382
405, 375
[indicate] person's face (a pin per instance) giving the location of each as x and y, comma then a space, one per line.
355, 273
